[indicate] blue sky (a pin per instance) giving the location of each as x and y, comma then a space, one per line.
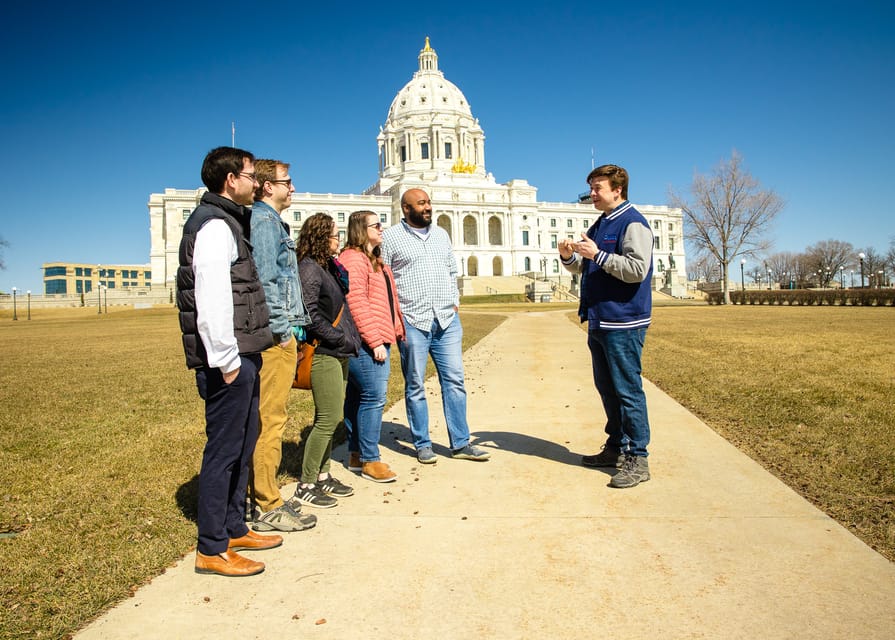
105, 103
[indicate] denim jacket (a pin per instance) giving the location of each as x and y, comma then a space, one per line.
274, 252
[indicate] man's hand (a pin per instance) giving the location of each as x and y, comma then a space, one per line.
380, 353
566, 248
586, 248
230, 377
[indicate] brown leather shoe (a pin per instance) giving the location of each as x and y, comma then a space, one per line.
378, 472
229, 564
252, 541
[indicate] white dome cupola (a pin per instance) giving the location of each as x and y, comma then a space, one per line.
430, 129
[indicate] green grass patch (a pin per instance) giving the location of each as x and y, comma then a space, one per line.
101, 436
806, 392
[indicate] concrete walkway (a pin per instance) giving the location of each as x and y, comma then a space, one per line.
531, 544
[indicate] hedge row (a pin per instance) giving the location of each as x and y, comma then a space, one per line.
806, 297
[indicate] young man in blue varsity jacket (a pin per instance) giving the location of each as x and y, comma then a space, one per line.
615, 261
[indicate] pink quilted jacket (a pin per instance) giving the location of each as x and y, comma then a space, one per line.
368, 300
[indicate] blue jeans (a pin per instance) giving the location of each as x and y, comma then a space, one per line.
365, 402
616, 361
446, 348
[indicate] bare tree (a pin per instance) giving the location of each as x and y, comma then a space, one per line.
890, 260
873, 263
784, 267
827, 257
699, 268
728, 214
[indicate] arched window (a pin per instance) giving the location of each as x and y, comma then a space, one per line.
497, 266
527, 264
445, 223
495, 232
472, 266
556, 266
470, 231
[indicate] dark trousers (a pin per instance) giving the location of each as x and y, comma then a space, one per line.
231, 428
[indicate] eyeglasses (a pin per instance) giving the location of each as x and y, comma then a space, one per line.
336, 236
378, 225
287, 182
250, 176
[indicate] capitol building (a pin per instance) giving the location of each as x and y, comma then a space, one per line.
431, 140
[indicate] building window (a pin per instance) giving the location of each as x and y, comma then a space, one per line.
527, 264
56, 286
555, 266
79, 286
671, 226
147, 275
341, 216
54, 271
110, 273
403, 154
186, 214
584, 224
111, 284
657, 225
570, 223
525, 241
341, 237
448, 153
657, 243
88, 286
552, 223
296, 233
424, 151
88, 272
296, 216
79, 271
671, 244
553, 241
383, 218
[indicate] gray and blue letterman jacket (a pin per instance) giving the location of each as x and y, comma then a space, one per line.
616, 285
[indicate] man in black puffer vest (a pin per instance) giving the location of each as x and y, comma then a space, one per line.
224, 320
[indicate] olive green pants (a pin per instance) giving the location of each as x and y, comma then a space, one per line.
329, 376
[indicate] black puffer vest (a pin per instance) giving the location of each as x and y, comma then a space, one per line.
251, 317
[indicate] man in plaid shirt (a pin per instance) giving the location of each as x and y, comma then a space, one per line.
425, 271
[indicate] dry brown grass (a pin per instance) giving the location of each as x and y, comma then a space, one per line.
806, 392
101, 433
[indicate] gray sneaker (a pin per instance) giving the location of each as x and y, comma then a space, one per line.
284, 518
608, 457
426, 455
634, 471
469, 452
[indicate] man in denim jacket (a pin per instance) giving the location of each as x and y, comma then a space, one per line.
274, 252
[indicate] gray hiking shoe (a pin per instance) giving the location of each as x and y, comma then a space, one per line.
426, 455
284, 518
634, 471
469, 452
608, 457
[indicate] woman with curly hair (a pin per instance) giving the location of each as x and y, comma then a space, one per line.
324, 283
373, 301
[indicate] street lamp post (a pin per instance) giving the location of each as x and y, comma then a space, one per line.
841, 275
14, 315
742, 275
106, 299
99, 298
769, 279
879, 279
29, 304
851, 275
861, 260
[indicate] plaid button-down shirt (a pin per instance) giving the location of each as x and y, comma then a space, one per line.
425, 273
